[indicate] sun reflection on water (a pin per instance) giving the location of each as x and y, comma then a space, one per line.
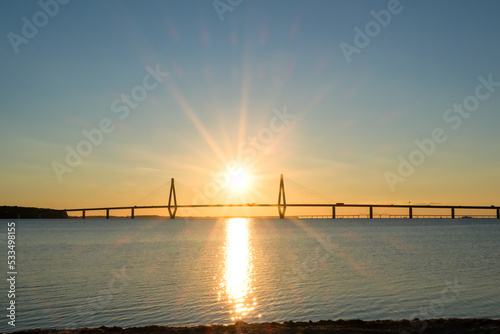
237, 269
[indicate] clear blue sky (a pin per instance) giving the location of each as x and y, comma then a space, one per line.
353, 120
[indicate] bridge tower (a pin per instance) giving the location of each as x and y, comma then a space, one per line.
172, 192
282, 207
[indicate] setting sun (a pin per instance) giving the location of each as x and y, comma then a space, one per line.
238, 180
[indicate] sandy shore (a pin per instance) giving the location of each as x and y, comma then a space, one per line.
441, 326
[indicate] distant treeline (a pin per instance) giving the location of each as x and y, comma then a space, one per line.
19, 212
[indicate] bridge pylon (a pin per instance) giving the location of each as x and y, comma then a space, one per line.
172, 192
282, 207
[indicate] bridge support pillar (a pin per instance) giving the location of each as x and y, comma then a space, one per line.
453, 213
410, 215
282, 208
172, 195
107, 213
132, 214
333, 212
371, 212
498, 213
83, 214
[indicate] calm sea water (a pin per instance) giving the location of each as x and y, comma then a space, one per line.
201, 271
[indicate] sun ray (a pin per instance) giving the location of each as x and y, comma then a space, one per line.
193, 117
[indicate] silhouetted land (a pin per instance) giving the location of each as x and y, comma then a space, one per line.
19, 212
441, 326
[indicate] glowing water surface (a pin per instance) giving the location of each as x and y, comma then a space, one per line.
123, 272
238, 268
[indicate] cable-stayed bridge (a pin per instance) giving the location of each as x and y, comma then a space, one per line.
301, 195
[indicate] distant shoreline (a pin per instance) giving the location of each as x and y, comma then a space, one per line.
323, 326
22, 212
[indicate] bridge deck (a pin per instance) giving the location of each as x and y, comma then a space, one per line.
291, 205
410, 207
